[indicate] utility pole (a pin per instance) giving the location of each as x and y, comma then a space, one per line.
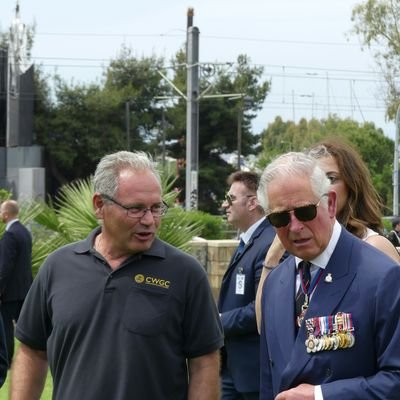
193, 97
396, 166
192, 117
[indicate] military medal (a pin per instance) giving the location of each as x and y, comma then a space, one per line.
311, 342
331, 332
304, 307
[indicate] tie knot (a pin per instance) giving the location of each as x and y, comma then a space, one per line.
241, 245
305, 266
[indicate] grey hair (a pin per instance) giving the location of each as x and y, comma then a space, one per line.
106, 176
293, 164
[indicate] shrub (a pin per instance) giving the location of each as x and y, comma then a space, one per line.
213, 226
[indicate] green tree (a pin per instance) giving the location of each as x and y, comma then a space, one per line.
138, 82
375, 148
86, 121
376, 23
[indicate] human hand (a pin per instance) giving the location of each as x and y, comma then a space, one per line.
301, 392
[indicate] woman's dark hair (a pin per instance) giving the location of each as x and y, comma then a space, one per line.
364, 205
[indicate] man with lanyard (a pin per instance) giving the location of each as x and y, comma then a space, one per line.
240, 365
330, 326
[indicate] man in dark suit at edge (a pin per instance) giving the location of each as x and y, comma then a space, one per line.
15, 269
240, 364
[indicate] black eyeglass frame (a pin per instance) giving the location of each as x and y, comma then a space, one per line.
282, 218
163, 208
229, 200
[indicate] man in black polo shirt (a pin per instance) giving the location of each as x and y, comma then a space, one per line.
120, 315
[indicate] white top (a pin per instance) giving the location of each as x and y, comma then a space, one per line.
369, 233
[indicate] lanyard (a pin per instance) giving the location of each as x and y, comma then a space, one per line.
313, 284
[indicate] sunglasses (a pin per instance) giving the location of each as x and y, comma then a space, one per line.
230, 199
304, 213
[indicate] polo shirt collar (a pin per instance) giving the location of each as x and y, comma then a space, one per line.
157, 249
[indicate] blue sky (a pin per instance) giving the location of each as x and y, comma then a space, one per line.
313, 66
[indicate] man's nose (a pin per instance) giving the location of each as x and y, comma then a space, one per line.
295, 224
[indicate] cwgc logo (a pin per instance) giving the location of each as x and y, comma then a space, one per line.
150, 280
139, 278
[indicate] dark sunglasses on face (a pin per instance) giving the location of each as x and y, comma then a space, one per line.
230, 199
304, 214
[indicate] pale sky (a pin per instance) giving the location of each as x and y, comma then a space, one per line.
314, 65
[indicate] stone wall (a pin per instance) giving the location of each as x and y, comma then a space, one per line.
214, 256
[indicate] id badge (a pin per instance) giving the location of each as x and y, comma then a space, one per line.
240, 278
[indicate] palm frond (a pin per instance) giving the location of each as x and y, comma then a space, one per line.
29, 210
42, 248
48, 218
76, 209
178, 228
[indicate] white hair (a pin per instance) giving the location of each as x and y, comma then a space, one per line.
293, 164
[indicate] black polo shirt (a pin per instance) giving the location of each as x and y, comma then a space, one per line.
122, 334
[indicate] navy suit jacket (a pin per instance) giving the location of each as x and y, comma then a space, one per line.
365, 283
242, 342
15, 263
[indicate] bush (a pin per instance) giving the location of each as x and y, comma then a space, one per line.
213, 226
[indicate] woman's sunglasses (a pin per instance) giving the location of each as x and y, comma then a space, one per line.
304, 213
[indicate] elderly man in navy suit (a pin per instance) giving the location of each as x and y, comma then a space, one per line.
330, 313
15, 269
240, 367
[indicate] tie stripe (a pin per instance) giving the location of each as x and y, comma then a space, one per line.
305, 280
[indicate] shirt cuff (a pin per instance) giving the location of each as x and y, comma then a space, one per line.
318, 393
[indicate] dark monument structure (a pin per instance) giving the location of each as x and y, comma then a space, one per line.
21, 170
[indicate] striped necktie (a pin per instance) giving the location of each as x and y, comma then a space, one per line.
305, 280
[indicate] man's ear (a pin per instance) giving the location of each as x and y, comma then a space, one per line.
253, 203
98, 204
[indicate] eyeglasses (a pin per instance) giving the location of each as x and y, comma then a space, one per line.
157, 210
304, 213
230, 199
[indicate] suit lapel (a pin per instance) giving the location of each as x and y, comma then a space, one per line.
279, 311
325, 301
234, 260
283, 323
